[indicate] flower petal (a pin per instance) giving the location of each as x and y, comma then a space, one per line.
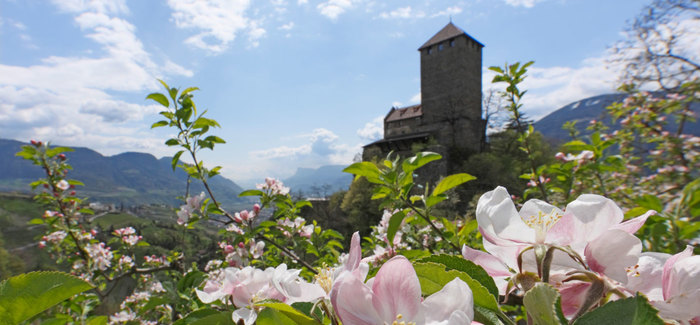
490, 263
612, 253
669, 289
355, 253
684, 304
631, 226
352, 300
397, 291
594, 214
454, 297
246, 314
496, 214
646, 276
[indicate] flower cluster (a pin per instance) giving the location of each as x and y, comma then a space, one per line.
273, 187
592, 253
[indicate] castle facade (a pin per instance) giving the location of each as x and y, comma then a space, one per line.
449, 119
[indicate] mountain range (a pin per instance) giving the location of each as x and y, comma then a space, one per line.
129, 178
319, 182
593, 108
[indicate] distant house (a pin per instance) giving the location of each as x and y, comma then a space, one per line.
448, 120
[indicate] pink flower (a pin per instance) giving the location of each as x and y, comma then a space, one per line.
591, 227
62, 185
248, 286
394, 295
672, 283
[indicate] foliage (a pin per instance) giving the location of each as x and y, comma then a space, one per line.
26, 295
580, 266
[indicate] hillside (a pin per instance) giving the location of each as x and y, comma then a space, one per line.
319, 182
129, 178
592, 108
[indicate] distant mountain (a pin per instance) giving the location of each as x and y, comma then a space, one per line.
129, 178
592, 108
318, 182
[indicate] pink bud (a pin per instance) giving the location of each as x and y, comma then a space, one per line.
228, 249
256, 208
244, 215
241, 245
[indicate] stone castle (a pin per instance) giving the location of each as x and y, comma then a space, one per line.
448, 120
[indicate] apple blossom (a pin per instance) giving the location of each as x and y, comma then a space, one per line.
393, 296
62, 185
671, 282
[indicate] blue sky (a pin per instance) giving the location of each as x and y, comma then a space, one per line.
294, 83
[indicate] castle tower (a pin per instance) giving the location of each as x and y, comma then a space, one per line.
450, 109
450, 67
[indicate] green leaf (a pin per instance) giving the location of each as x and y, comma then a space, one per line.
26, 295
172, 142
251, 193
214, 139
270, 316
97, 320
433, 277
543, 305
650, 202
630, 311
176, 159
451, 182
394, 224
365, 168
197, 315
433, 200
289, 311
187, 91
56, 150
159, 124
419, 160
222, 318
159, 98
458, 263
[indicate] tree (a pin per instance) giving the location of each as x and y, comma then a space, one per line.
660, 49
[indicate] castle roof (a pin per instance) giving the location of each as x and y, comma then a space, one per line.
447, 32
396, 114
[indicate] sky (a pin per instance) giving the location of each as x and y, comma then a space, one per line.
293, 83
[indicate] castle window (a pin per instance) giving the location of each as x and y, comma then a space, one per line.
430, 49
441, 46
452, 43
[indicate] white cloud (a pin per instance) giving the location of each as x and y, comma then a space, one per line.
416, 98
550, 88
100, 6
218, 22
69, 100
523, 3
450, 11
287, 26
373, 130
402, 13
334, 8
321, 147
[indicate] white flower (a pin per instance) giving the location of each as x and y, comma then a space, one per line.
62, 185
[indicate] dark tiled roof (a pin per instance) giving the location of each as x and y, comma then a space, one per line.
403, 113
447, 32
401, 138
